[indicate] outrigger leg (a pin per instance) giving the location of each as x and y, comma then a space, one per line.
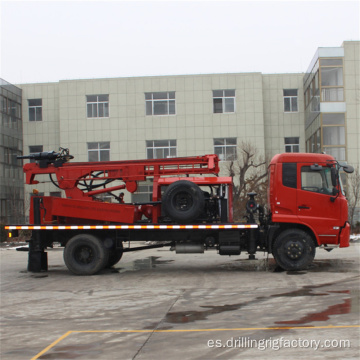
37, 260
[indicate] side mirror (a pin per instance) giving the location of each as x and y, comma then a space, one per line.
348, 169
335, 191
334, 176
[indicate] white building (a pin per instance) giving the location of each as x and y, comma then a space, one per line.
152, 117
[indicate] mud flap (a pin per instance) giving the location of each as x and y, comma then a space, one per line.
345, 236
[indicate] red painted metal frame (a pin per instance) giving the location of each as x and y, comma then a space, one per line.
81, 204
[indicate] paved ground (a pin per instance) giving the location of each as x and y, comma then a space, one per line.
158, 305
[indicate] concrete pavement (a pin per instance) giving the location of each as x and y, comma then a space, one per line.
156, 304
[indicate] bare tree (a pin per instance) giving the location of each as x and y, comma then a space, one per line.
249, 173
15, 205
353, 194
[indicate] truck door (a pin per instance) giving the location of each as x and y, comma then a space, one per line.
315, 207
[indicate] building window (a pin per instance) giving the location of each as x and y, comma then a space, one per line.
10, 107
339, 153
99, 151
334, 138
290, 100
331, 76
225, 149
10, 113
35, 149
224, 101
314, 142
97, 106
333, 119
334, 135
3, 104
332, 80
160, 103
10, 156
332, 94
35, 109
292, 144
143, 193
160, 149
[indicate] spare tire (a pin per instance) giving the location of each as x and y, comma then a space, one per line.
183, 201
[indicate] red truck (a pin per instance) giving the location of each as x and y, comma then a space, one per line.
191, 210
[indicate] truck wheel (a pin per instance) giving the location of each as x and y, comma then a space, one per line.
85, 254
114, 257
294, 249
183, 201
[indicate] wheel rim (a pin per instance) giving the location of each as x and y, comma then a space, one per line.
84, 255
294, 249
183, 201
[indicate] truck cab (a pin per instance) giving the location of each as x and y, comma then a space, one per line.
305, 193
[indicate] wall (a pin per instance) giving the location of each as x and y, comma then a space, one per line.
277, 123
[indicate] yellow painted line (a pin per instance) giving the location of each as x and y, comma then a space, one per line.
52, 345
208, 330
190, 330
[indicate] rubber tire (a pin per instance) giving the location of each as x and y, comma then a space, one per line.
294, 250
114, 257
88, 245
190, 195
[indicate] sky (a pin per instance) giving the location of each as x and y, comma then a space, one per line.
49, 41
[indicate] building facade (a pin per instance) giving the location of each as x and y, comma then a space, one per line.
162, 116
11, 145
155, 117
332, 106
331, 87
